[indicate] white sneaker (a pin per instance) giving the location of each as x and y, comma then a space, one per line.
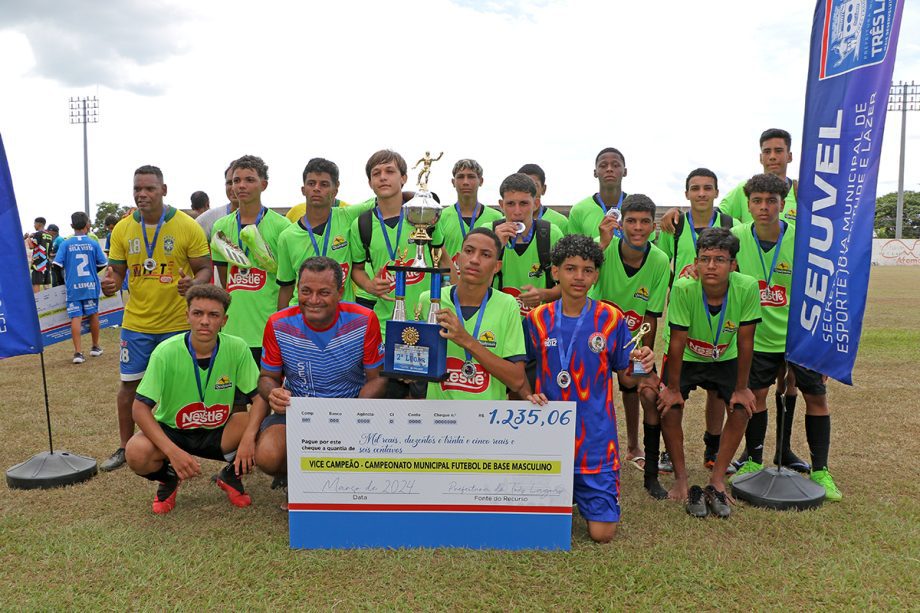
96, 351
78, 358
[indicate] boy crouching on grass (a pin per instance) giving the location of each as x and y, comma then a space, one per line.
712, 319
183, 405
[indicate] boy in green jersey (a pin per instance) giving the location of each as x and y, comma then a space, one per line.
183, 405
254, 290
767, 252
712, 319
556, 218
634, 278
467, 213
323, 230
701, 190
609, 170
485, 348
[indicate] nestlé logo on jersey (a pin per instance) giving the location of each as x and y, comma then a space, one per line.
455, 380
411, 277
633, 320
774, 296
197, 415
513, 291
856, 35
253, 279
704, 349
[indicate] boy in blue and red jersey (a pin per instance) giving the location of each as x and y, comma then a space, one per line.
580, 346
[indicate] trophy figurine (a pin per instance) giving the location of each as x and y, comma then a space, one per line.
415, 349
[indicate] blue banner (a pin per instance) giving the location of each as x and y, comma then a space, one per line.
19, 331
853, 44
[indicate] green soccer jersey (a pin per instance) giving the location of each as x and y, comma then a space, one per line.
586, 216
641, 294
775, 288
736, 205
521, 266
296, 245
254, 292
170, 382
451, 229
500, 331
686, 311
681, 248
397, 252
554, 217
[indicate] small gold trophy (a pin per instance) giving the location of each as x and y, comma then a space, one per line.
637, 369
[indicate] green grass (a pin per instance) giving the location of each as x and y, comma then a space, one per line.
98, 546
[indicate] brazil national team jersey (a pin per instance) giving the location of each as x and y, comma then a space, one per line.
521, 266
170, 382
736, 205
598, 349
686, 312
156, 306
451, 229
397, 231
554, 217
586, 215
295, 246
774, 295
643, 293
685, 244
80, 256
326, 363
254, 292
500, 331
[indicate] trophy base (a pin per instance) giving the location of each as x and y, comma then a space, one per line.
414, 350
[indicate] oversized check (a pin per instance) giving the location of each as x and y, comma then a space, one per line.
415, 473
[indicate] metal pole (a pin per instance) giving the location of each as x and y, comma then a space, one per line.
85, 164
899, 214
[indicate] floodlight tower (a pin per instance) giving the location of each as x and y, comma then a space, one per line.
85, 110
903, 97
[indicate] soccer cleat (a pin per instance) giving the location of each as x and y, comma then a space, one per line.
78, 358
96, 351
824, 479
165, 500
710, 461
116, 460
793, 462
750, 466
717, 503
228, 481
696, 502
664, 464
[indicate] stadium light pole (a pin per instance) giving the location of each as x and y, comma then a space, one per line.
85, 110
903, 97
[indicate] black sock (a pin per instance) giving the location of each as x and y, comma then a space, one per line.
163, 473
651, 441
754, 436
818, 433
712, 444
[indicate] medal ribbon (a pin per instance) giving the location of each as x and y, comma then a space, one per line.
463, 229
763, 265
326, 234
239, 227
718, 332
147, 244
693, 233
604, 204
383, 228
565, 357
482, 310
191, 351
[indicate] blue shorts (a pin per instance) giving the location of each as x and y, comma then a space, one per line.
79, 308
136, 348
597, 496
274, 419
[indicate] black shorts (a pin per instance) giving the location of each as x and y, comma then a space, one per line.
257, 355
765, 366
635, 388
719, 377
399, 390
201, 442
40, 278
365, 302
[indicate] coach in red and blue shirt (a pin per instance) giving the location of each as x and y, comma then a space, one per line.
322, 348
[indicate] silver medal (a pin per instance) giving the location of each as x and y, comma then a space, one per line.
563, 379
150, 264
716, 353
519, 227
468, 370
616, 214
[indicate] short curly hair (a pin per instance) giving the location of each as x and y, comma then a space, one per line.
766, 184
572, 245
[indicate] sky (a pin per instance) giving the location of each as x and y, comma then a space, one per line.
191, 86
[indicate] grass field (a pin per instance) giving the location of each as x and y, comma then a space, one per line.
98, 546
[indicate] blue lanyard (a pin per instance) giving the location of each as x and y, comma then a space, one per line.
542, 211
239, 227
463, 228
326, 234
565, 357
207, 381
693, 233
482, 310
386, 236
718, 332
513, 243
147, 245
763, 265
604, 204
